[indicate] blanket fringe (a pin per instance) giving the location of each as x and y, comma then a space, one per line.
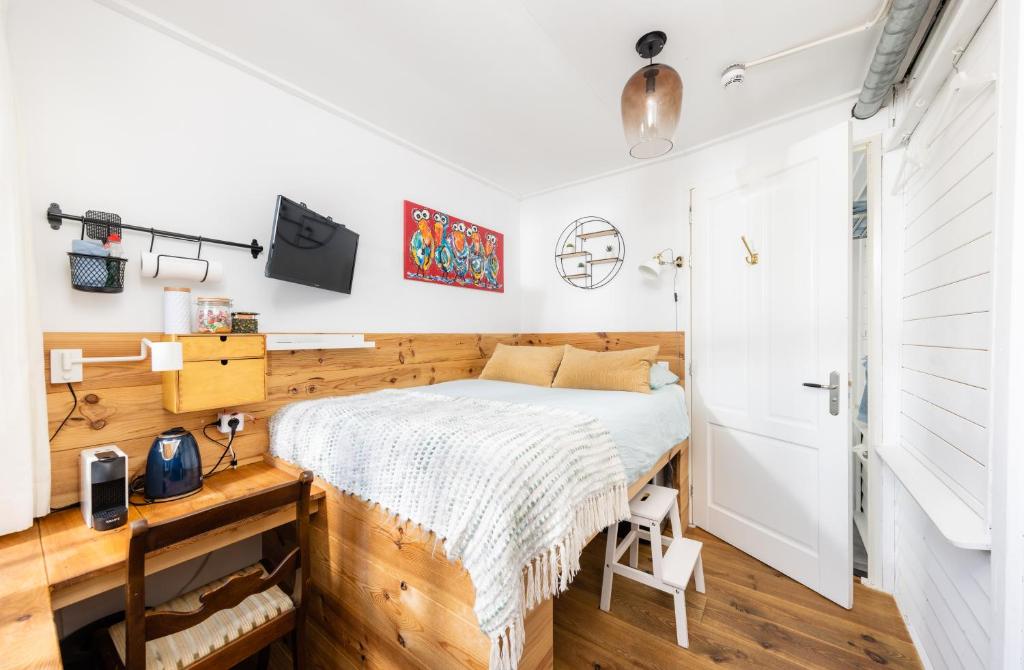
550, 572
507, 647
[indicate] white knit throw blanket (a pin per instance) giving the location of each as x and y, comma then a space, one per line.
514, 491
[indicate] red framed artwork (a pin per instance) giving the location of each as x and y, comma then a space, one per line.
442, 249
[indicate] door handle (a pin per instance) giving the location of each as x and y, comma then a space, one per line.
833, 391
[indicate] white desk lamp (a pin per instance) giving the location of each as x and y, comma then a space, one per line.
66, 364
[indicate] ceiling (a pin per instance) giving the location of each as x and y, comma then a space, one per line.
524, 94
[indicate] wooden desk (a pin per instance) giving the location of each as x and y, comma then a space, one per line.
28, 637
81, 562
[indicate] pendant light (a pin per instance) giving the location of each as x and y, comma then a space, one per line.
651, 101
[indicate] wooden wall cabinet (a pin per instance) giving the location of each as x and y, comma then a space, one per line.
218, 371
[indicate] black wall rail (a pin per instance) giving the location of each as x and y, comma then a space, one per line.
99, 225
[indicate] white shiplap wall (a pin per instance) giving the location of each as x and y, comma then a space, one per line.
949, 213
943, 591
947, 294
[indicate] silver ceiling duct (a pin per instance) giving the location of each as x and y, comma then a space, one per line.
904, 21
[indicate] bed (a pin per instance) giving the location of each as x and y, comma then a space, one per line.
643, 427
387, 596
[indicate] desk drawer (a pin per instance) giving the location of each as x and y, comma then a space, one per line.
219, 347
221, 383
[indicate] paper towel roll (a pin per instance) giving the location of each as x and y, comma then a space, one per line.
173, 267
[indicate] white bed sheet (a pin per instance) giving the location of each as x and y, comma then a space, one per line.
643, 426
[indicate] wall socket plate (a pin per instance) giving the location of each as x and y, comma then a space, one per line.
224, 417
65, 366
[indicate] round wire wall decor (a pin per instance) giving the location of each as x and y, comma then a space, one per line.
589, 252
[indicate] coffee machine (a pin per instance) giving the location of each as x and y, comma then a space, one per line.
104, 487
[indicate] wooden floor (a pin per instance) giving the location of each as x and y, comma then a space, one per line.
751, 617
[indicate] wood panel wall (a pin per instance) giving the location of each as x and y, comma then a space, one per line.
122, 404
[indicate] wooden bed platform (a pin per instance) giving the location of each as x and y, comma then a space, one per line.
384, 597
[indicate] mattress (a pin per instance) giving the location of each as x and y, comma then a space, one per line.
643, 426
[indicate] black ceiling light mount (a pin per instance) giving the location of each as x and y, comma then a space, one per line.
651, 101
651, 44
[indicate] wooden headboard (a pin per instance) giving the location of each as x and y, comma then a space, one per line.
121, 403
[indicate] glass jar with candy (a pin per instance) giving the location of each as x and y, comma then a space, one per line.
213, 315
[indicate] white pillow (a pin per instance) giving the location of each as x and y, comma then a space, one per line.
661, 375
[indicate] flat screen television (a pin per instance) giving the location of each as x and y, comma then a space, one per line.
307, 248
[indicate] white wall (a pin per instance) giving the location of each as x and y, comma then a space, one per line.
650, 206
949, 213
144, 126
943, 592
120, 117
947, 217
1007, 464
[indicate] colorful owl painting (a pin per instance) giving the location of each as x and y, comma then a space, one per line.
421, 246
442, 249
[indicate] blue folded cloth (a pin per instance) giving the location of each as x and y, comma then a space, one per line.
89, 247
90, 272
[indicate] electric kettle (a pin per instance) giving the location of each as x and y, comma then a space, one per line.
174, 468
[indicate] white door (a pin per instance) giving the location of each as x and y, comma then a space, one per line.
771, 460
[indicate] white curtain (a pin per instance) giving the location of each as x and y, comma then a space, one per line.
24, 447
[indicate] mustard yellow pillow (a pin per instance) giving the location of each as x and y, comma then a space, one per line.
523, 365
628, 370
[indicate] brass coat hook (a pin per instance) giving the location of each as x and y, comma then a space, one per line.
752, 257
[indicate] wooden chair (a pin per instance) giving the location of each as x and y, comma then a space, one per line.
228, 620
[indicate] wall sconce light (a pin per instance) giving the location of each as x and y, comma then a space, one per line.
66, 364
652, 268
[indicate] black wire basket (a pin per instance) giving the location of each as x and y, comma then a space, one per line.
97, 274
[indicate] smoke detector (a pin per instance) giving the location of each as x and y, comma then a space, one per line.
734, 74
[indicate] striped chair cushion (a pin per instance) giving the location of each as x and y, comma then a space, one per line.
181, 649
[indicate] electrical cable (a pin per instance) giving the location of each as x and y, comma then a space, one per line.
675, 314
227, 448
137, 484
212, 439
74, 406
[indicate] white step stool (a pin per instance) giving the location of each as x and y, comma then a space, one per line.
672, 570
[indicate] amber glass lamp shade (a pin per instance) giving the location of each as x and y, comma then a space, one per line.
651, 101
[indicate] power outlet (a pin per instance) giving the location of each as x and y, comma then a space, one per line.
223, 419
